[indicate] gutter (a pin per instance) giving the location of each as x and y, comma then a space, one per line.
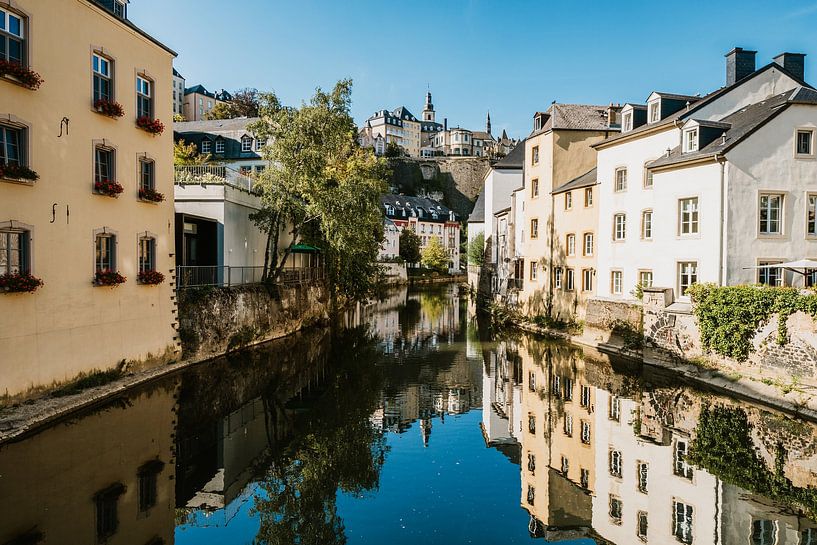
721, 244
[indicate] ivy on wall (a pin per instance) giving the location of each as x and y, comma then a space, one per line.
730, 316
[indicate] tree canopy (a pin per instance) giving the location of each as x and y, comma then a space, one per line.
409, 246
245, 103
476, 250
434, 255
188, 154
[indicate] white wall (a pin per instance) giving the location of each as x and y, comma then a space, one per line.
769, 83
499, 185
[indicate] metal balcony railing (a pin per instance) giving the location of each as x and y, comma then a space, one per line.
212, 174
227, 276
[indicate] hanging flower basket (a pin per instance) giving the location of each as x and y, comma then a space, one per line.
109, 188
18, 172
111, 108
150, 194
150, 277
16, 71
19, 283
153, 126
108, 278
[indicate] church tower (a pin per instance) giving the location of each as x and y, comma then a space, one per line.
488, 124
428, 111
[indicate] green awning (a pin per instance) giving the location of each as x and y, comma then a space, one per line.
304, 249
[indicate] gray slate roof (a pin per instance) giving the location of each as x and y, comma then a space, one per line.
581, 117
215, 125
478, 214
406, 207
515, 159
585, 180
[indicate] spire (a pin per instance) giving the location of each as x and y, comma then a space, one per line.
428, 111
488, 123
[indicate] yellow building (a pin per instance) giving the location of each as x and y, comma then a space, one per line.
575, 224
557, 151
92, 215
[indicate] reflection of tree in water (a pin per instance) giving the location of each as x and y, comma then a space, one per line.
409, 316
434, 305
337, 448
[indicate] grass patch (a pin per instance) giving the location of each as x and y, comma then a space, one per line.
87, 380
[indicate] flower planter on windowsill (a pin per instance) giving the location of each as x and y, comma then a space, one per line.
15, 173
20, 75
150, 278
153, 126
19, 283
109, 188
150, 195
109, 108
108, 278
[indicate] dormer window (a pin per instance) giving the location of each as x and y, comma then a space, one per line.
219, 146
627, 122
655, 111
119, 8
246, 144
690, 140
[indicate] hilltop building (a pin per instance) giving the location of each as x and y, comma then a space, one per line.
178, 93
198, 101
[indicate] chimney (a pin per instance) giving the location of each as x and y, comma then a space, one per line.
793, 63
739, 64
445, 123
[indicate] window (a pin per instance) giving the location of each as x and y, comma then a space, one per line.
119, 8
534, 188
531, 381
588, 197
587, 279
771, 206
615, 463
557, 277
771, 276
568, 425
584, 478
245, 170
570, 244
584, 399
246, 144
534, 155
645, 279
534, 268
682, 522
107, 518
103, 77
567, 389
104, 164
688, 216
680, 465
655, 111
144, 97
147, 254
220, 146
534, 228
11, 37
646, 225
105, 252
531, 495
642, 469
259, 144
147, 477
585, 432
565, 466
531, 423
690, 140
648, 182
805, 140
531, 462
568, 200
569, 279
627, 122
764, 532
206, 146
615, 509
556, 386
687, 275
641, 526
146, 174
12, 141
619, 227
588, 244
620, 180
616, 282
14, 251
811, 217
614, 408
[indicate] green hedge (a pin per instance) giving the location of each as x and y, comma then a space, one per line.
730, 316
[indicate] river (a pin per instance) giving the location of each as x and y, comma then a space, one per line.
411, 424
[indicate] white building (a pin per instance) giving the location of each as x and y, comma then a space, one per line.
700, 189
178, 93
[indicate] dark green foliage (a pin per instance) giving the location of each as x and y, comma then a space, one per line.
723, 446
730, 316
409, 246
633, 338
476, 250
88, 380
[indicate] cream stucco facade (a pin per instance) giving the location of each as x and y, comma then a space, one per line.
70, 325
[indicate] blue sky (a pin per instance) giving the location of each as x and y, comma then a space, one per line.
510, 57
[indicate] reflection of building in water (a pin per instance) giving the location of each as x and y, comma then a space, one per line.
103, 477
501, 391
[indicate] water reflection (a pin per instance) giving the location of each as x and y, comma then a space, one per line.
408, 425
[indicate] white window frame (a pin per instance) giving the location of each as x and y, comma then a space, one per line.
616, 282
686, 277
627, 122
645, 278
619, 227
811, 215
810, 154
585, 432
688, 216
206, 146
246, 144
588, 244
588, 197
220, 146
534, 270
620, 180
764, 276
780, 214
648, 181
534, 188
587, 280
654, 111
568, 200
570, 244
642, 473
534, 155
646, 224
614, 463
557, 277
691, 140
534, 228
570, 279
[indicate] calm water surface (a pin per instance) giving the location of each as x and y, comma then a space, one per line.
410, 424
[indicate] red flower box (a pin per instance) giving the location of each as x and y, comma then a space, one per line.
108, 278
150, 277
19, 283
109, 188
27, 78
111, 108
18, 172
153, 126
149, 194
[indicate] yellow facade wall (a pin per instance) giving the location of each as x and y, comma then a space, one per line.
69, 326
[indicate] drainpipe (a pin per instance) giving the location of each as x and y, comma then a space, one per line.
722, 244
551, 221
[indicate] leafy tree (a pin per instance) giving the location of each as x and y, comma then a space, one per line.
321, 186
476, 250
409, 246
434, 255
245, 103
393, 150
188, 154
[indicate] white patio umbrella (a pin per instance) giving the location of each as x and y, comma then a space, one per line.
801, 266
